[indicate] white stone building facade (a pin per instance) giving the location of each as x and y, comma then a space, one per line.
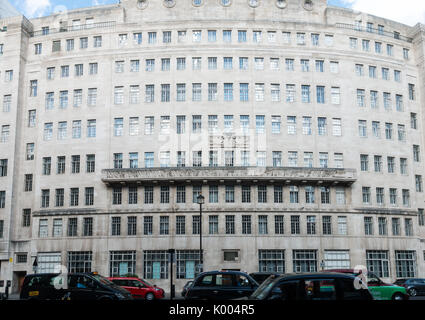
301, 124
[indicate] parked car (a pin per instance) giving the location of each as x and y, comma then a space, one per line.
139, 289
221, 285
74, 286
261, 276
186, 286
379, 289
414, 287
311, 287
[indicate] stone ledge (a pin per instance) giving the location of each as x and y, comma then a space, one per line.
238, 175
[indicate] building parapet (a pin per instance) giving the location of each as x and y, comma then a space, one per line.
66, 28
222, 175
393, 35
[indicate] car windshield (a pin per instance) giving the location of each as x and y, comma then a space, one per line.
103, 280
264, 289
147, 283
400, 281
373, 279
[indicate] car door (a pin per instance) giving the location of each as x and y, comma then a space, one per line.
82, 287
319, 289
243, 287
136, 288
286, 290
225, 287
76, 288
346, 290
203, 287
420, 284
374, 284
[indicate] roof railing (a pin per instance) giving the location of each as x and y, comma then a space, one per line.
89, 26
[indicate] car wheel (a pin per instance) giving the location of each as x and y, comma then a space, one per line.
149, 296
398, 296
412, 292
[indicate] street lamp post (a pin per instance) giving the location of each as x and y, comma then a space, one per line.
201, 201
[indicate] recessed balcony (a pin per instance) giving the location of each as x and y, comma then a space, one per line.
234, 175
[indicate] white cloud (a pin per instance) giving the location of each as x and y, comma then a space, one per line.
409, 12
36, 8
98, 2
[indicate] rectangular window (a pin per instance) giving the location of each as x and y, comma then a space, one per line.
155, 264
243, 92
72, 227
147, 225
395, 222
89, 196
228, 92
229, 194
116, 226
416, 153
311, 224
260, 124
246, 224
304, 260
293, 194
74, 197
368, 226
166, 37
405, 264
305, 93
213, 194
164, 225
295, 225
230, 224
165, 64
180, 225
336, 259
42, 229
262, 225
150, 93
271, 261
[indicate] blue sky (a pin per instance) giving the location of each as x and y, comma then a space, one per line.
408, 11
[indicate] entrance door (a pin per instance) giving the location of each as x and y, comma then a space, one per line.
18, 280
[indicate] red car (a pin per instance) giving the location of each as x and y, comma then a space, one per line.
139, 289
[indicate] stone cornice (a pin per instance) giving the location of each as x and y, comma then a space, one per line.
238, 175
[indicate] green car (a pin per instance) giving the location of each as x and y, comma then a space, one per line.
378, 288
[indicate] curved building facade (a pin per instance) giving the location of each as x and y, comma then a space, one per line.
302, 125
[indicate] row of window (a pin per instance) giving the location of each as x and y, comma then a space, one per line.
306, 94
389, 128
272, 37
181, 64
227, 224
165, 126
182, 37
74, 197
156, 262
245, 193
197, 91
75, 164
228, 158
391, 165
165, 195
387, 98
373, 72
366, 46
380, 196
229, 193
